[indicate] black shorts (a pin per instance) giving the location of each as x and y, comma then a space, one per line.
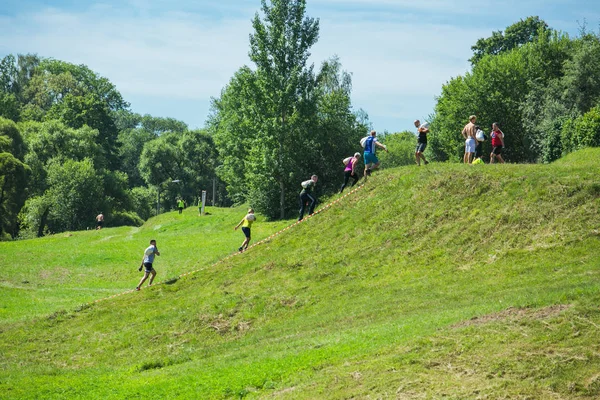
497, 150
99, 223
246, 231
148, 267
420, 147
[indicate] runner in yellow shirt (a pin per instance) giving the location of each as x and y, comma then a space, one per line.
246, 224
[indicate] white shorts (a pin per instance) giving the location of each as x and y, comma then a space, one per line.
470, 145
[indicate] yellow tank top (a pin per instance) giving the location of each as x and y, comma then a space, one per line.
247, 223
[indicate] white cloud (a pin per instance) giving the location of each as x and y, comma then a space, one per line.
176, 55
400, 52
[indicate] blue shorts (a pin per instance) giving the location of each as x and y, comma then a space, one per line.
246, 231
370, 158
420, 147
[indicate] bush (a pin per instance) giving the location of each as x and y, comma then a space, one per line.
401, 147
124, 218
587, 129
583, 131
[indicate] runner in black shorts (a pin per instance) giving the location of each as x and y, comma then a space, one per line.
147, 261
246, 224
422, 131
497, 144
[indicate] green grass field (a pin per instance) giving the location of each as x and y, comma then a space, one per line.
446, 281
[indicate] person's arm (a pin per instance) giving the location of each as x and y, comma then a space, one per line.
464, 133
423, 129
502, 138
381, 145
238, 225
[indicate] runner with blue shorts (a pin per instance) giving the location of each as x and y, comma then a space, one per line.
370, 145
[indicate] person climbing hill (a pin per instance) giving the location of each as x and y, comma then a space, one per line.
246, 224
306, 196
370, 144
351, 170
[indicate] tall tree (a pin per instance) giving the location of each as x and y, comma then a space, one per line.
280, 47
524, 31
14, 176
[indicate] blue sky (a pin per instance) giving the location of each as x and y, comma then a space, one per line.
168, 58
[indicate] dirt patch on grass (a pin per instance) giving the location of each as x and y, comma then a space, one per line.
514, 314
58, 274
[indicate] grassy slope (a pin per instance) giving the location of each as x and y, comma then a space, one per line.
373, 298
42, 276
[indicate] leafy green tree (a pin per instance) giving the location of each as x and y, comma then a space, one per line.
143, 201
581, 81
9, 106
11, 140
518, 34
53, 140
511, 88
159, 125
189, 158
131, 144
339, 128
87, 82
583, 131
135, 132
14, 177
278, 124
76, 194
233, 125
78, 111
33, 217
13, 182
280, 47
16, 74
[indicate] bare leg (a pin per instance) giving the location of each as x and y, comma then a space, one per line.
152, 277
492, 157
244, 245
500, 158
143, 279
418, 158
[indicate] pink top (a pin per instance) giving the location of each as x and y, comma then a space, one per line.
350, 165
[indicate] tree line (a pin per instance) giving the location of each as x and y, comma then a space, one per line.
70, 146
539, 84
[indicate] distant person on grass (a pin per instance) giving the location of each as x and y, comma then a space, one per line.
351, 170
469, 133
180, 205
246, 224
422, 131
147, 261
307, 196
99, 221
497, 143
370, 144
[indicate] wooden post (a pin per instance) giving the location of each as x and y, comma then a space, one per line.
203, 201
214, 191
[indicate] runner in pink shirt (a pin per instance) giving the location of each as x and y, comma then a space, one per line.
350, 171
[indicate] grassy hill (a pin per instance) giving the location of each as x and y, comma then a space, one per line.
445, 281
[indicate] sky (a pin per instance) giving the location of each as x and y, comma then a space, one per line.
168, 58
